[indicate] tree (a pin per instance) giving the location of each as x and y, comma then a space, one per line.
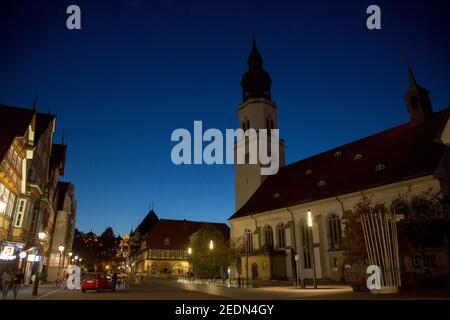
235, 252
109, 247
353, 237
207, 262
425, 223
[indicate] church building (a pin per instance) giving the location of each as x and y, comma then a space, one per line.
271, 211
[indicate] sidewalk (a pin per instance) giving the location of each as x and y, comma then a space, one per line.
25, 292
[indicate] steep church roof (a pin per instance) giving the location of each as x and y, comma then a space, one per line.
400, 153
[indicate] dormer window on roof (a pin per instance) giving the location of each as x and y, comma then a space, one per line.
167, 241
380, 167
321, 183
276, 195
309, 171
358, 156
337, 154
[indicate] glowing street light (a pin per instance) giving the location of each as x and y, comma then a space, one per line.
189, 250
61, 250
211, 247
309, 218
313, 258
41, 236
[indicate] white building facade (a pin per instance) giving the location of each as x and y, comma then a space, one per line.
271, 212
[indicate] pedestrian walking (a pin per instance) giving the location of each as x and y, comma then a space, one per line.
6, 282
18, 280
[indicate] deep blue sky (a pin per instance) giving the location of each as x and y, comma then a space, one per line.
140, 69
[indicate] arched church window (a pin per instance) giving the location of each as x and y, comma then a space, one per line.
281, 233
268, 236
306, 244
248, 240
335, 232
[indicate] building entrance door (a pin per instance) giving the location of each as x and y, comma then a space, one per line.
254, 271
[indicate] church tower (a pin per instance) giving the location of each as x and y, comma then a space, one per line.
257, 111
417, 100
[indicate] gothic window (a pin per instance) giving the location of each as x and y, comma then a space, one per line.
335, 232
268, 236
306, 244
248, 240
281, 232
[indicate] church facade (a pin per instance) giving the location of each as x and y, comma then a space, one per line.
271, 211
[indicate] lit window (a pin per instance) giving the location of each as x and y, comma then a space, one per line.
337, 154
309, 171
321, 183
359, 156
380, 167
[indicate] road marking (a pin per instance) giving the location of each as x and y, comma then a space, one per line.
47, 294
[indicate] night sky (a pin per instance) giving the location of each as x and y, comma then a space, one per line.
140, 69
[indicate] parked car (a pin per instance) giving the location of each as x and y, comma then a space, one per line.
96, 281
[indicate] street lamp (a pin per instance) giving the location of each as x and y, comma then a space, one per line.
61, 250
189, 258
211, 248
313, 259
70, 256
41, 236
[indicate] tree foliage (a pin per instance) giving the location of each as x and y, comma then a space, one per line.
96, 252
203, 258
425, 221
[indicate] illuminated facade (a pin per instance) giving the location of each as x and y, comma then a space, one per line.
31, 165
270, 221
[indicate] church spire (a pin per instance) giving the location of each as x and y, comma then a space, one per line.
256, 82
417, 99
412, 77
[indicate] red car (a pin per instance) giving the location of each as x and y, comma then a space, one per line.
96, 281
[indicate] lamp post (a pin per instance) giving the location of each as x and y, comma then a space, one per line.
189, 259
70, 256
42, 237
211, 248
313, 260
61, 250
